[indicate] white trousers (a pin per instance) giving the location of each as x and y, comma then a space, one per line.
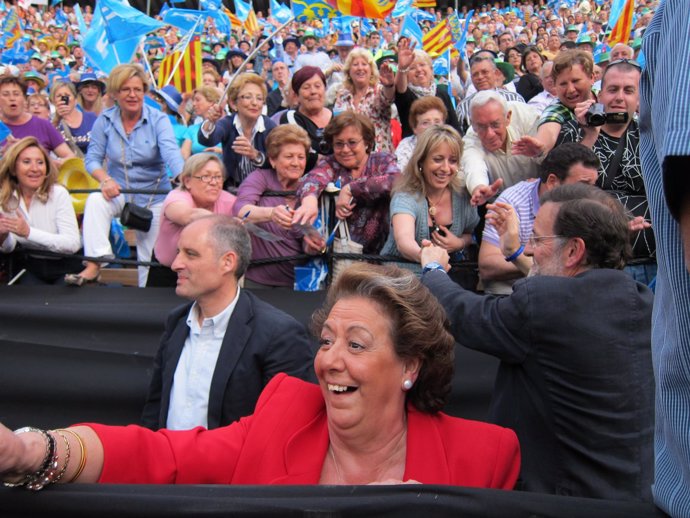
98, 215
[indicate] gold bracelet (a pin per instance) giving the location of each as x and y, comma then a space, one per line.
82, 448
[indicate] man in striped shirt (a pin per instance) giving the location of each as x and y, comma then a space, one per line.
566, 164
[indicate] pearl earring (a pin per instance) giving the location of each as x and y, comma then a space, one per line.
407, 384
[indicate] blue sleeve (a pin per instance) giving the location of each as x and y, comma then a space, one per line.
95, 155
167, 144
219, 135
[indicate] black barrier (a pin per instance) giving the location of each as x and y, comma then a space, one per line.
307, 501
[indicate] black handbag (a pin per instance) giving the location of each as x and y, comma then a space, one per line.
136, 217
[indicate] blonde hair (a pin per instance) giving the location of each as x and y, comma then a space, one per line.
195, 162
123, 73
412, 179
366, 55
209, 93
8, 177
53, 96
243, 80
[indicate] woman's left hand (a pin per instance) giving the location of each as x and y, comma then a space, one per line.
242, 146
17, 225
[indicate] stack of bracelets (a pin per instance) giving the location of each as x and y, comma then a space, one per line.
49, 473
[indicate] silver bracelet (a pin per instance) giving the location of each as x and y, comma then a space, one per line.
48, 471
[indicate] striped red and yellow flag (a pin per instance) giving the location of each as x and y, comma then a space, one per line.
252, 23
378, 9
235, 22
421, 4
437, 40
621, 31
187, 77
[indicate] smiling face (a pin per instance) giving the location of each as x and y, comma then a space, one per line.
31, 169
620, 90
420, 73
491, 125
358, 370
360, 72
90, 92
428, 119
205, 194
440, 167
349, 148
250, 101
312, 95
573, 86
484, 75
290, 163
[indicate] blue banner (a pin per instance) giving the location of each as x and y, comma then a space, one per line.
185, 19
123, 22
280, 12
411, 30
402, 8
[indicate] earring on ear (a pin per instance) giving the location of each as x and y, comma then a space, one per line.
407, 384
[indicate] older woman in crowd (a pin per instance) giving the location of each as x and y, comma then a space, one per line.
36, 214
384, 368
424, 113
202, 99
131, 146
414, 80
39, 105
309, 84
200, 193
242, 134
429, 202
365, 177
287, 147
74, 124
370, 92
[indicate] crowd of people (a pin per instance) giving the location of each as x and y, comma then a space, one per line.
524, 154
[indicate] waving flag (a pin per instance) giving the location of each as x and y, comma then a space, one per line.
185, 19
441, 64
280, 12
123, 22
210, 5
252, 22
11, 29
411, 30
420, 16
305, 10
103, 53
235, 22
437, 40
402, 7
80, 20
343, 24
242, 9
182, 68
620, 31
461, 42
16, 55
425, 3
378, 9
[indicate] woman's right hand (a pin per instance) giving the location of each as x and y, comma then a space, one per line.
214, 113
63, 109
110, 188
18, 457
306, 213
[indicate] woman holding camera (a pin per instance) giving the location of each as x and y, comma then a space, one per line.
131, 145
309, 84
75, 125
428, 201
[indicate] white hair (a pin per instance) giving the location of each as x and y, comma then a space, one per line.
484, 97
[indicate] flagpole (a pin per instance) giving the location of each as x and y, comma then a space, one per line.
147, 65
251, 56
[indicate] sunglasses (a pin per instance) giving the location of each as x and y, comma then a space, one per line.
626, 61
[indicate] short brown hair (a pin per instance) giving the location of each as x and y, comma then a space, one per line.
425, 104
286, 134
419, 328
349, 118
8, 176
566, 59
9, 79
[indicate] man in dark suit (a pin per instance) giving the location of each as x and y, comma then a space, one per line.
575, 380
218, 353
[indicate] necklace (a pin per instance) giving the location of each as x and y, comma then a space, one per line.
433, 210
335, 463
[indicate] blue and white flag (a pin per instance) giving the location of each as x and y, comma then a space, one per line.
280, 12
80, 20
402, 7
441, 64
102, 53
411, 30
420, 15
17, 55
60, 17
462, 42
210, 5
242, 9
221, 21
123, 22
185, 19
343, 24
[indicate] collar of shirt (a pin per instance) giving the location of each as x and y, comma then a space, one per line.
259, 127
219, 321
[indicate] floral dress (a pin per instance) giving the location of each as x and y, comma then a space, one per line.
375, 106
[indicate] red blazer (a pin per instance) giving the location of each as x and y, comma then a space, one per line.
286, 440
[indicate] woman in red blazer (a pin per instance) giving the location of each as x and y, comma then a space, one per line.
384, 367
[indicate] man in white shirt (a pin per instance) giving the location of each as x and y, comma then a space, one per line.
313, 57
218, 353
548, 96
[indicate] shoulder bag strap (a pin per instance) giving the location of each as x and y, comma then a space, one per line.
614, 165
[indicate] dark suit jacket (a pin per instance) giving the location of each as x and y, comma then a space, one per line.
404, 102
286, 441
260, 342
575, 380
225, 133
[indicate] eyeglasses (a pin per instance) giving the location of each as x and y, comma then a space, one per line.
207, 178
534, 240
249, 98
625, 61
135, 91
38, 105
352, 144
483, 128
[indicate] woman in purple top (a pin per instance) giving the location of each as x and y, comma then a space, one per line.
287, 147
366, 180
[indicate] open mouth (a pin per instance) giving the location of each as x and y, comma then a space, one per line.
340, 389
